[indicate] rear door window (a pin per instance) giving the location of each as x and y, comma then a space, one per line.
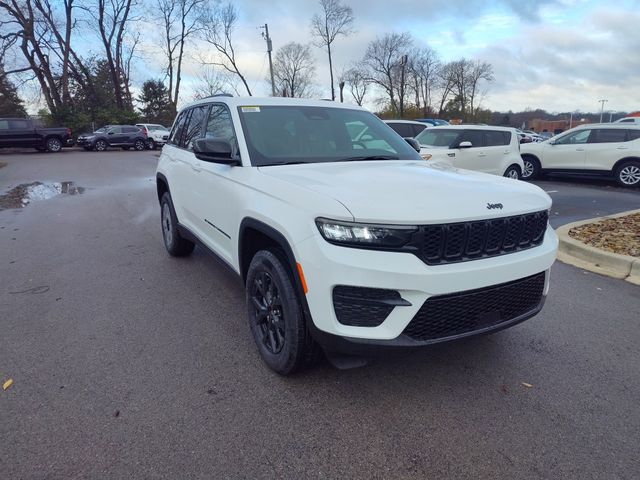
633, 134
417, 129
608, 135
19, 124
473, 136
402, 129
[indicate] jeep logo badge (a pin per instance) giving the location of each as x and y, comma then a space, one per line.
491, 206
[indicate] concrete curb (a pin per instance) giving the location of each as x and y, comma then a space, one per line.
576, 253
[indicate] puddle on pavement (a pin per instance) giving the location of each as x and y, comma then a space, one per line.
25, 193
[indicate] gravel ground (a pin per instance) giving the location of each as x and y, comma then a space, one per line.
618, 235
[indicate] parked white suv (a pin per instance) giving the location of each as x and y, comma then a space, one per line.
486, 149
157, 134
349, 243
611, 149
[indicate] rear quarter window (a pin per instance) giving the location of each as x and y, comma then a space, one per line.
494, 138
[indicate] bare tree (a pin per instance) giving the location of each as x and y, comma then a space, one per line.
179, 20
336, 19
446, 84
43, 37
478, 71
216, 28
358, 83
213, 82
113, 17
294, 69
382, 60
424, 67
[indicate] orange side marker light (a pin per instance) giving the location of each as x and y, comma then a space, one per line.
302, 279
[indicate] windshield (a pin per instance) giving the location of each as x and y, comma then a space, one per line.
438, 137
102, 130
278, 135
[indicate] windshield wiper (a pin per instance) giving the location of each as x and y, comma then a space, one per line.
367, 157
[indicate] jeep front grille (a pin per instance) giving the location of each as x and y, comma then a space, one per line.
459, 242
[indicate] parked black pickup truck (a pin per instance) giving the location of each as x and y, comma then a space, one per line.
23, 133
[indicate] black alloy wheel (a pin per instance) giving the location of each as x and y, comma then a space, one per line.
276, 317
268, 313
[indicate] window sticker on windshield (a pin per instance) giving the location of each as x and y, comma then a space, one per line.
250, 109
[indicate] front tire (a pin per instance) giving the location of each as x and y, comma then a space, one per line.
139, 145
513, 172
54, 144
276, 317
100, 145
532, 168
628, 174
173, 242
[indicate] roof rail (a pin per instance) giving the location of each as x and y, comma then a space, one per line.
219, 95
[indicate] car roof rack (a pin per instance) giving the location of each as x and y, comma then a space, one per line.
219, 95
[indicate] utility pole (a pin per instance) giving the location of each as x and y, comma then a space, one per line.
403, 63
267, 38
341, 85
603, 101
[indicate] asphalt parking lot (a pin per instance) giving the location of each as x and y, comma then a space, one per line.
130, 364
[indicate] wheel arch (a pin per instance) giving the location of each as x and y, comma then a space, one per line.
162, 186
623, 160
253, 236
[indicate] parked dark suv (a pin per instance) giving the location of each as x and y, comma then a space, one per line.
25, 133
124, 136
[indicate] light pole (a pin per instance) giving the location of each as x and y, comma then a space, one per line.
571, 118
603, 101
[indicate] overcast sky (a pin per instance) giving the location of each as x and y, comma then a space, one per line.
560, 55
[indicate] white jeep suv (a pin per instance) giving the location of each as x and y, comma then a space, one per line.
611, 149
483, 148
349, 244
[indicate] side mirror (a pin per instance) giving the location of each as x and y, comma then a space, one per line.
413, 142
465, 144
366, 138
215, 150
109, 133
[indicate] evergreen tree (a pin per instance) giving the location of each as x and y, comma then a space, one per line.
10, 102
156, 104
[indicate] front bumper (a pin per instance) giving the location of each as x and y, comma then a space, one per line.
327, 266
83, 142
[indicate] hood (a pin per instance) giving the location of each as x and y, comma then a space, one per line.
408, 192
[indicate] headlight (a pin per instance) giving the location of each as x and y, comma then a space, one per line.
365, 235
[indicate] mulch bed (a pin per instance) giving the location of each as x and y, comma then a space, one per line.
618, 235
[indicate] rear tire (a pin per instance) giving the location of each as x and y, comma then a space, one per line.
276, 317
627, 174
152, 144
513, 172
54, 144
139, 145
531, 168
173, 242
